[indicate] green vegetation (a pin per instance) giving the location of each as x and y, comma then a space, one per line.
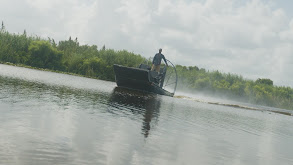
69, 56
66, 56
261, 91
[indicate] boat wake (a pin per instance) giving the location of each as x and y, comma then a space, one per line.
279, 111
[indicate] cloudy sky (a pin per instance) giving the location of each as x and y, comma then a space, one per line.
253, 38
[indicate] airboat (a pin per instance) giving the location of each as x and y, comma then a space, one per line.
144, 79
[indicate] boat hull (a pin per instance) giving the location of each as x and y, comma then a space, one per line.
138, 79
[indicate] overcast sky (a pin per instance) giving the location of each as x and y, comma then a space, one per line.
253, 38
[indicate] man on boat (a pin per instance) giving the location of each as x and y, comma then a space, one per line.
157, 61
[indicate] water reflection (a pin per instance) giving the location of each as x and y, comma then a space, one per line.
147, 105
51, 118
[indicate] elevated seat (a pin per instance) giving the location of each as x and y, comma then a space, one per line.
144, 66
155, 77
154, 74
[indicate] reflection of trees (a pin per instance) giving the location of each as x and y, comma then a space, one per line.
146, 105
16, 90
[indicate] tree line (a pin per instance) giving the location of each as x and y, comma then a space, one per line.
261, 91
91, 61
65, 56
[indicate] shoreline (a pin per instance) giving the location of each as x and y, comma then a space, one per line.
49, 70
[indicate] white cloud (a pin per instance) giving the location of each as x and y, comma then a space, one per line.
44, 4
137, 15
251, 38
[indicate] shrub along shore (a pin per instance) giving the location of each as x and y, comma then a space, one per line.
69, 56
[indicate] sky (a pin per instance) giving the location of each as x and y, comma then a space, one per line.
252, 38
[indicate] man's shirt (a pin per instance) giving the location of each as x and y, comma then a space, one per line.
158, 58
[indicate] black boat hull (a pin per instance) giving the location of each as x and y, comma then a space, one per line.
138, 79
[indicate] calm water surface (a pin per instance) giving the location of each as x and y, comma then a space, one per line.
50, 118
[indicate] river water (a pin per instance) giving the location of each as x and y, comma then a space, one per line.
51, 118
